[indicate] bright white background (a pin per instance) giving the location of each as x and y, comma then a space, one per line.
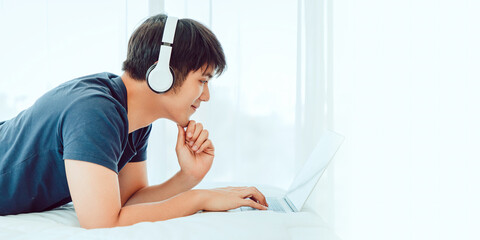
399, 79
406, 95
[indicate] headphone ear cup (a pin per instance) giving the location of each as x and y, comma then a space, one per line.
148, 72
150, 78
160, 81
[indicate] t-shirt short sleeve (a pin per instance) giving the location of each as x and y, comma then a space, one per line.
142, 144
95, 129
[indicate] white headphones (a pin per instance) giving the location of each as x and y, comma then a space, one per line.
160, 75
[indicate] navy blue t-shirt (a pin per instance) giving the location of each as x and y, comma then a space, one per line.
82, 119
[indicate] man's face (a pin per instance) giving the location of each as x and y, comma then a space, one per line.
187, 98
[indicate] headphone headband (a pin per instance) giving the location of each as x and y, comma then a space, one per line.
169, 30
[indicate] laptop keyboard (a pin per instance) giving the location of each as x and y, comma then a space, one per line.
273, 204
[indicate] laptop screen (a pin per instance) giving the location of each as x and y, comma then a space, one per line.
308, 176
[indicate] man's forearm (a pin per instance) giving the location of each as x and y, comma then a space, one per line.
179, 183
183, 204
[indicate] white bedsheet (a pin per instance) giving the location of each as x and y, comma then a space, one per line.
62, 223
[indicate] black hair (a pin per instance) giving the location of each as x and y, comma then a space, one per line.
194, 45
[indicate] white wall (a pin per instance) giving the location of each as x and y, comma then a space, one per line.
406, 93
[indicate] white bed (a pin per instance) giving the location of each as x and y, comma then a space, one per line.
62, 223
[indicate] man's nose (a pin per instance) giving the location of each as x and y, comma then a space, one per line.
205, 94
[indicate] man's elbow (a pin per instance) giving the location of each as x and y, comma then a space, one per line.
119, 219
96, 225
101, 222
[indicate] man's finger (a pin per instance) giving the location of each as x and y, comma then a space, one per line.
197, 132
207, 144
181, 134
256, 194
190, 129
253, 204
200, 140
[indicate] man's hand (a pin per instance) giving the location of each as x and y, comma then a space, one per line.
223, 199
195, 151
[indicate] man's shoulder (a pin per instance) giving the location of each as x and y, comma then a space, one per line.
96, 91
99, 82
91, 97
99, 75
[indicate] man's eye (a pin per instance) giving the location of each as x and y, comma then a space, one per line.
203, 81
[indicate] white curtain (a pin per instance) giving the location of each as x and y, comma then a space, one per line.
265, 112
46, 42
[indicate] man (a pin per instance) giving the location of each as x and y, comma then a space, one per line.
85, 141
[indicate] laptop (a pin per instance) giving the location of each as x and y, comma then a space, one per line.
307, 177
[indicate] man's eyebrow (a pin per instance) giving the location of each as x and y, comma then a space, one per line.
207, 75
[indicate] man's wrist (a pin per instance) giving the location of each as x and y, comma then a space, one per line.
200, 198
188, 179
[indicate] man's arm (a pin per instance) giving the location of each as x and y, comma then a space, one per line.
194, 165
134, 187
96, 197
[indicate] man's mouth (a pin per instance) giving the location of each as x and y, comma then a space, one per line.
194, 108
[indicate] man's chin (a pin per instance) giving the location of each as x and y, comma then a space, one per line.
184, 123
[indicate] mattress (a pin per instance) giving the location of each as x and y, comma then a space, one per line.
62, 223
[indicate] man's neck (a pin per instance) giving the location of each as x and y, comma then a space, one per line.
139, 103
